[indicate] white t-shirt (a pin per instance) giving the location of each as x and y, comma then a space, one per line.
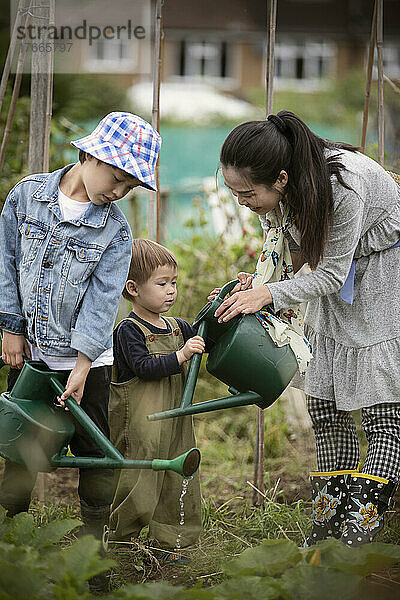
70, 210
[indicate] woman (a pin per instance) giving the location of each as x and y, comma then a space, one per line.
343, 211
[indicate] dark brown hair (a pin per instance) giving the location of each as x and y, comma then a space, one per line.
146, 257
83, 156
261, 150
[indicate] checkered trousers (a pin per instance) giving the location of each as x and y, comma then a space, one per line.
337, 444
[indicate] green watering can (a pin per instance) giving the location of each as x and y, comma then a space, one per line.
243, 356
35, 431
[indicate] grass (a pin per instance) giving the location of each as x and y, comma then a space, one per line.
227, 531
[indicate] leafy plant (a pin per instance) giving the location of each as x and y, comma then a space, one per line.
34, 566
279, 569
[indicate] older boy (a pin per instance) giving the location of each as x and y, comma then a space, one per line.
64, 257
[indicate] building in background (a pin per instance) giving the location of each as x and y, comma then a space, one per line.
223, 43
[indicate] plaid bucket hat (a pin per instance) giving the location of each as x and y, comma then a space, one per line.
125, 141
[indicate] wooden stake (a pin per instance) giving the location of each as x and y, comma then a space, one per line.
49, 92
269, 80
258, 498
40, 75
379, 49
20, 18
40, 117
158, 33
256, 495
370, 65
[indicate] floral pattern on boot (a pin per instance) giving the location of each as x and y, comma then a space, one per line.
329, 501
369, 497
324, 508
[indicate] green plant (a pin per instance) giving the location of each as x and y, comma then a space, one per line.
33, 565
16, 158
244, 552
83, 97
279, 570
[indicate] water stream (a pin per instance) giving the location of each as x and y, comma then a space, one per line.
185, 483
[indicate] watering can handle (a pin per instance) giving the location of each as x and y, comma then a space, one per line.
83, 419
228, 287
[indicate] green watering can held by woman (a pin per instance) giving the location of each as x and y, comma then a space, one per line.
35, 431
243, 356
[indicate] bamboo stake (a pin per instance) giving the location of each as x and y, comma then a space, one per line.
370, 65
39, 95
49, 92
379, 49
394, 87
258, 499
19, 20
40, 118
156, 101
14, 97
269, 83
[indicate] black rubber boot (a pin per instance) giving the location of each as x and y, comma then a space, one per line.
95, 520
329, 500
369, 498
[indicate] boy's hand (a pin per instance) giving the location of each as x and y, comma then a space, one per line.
77, 379
14, 346
245, 282
194, 345
213, 294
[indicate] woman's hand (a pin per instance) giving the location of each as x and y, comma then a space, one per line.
245, 282
243, 302
14, 346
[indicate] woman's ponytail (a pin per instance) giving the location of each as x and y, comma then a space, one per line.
309, 189
284, 142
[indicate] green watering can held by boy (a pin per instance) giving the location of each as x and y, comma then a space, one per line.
242, 355
35, 430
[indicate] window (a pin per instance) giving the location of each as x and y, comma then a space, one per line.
303, 62
203, 59
391, 61
107, 55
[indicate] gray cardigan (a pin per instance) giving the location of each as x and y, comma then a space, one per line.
349, 339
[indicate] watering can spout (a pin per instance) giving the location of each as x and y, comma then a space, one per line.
185, 464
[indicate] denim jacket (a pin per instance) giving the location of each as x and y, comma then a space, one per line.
61, 281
